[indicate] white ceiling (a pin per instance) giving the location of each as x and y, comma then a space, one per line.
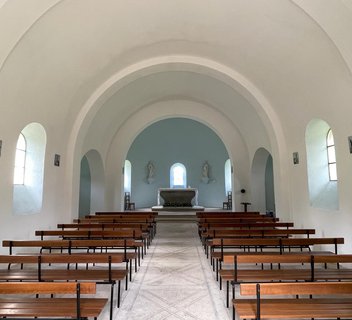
62, 53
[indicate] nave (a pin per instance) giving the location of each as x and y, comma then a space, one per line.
175, 280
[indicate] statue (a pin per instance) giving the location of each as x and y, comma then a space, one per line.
151, 171
205, 172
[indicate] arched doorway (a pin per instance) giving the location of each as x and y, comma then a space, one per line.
262, 182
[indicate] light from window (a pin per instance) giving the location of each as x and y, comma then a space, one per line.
178, 176
228, 182
20, 160
330, 145
127, 176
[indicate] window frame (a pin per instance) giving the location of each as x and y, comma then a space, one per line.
330, 145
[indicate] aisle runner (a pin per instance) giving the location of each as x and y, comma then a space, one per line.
175, 280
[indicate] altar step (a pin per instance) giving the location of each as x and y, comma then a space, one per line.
177, 209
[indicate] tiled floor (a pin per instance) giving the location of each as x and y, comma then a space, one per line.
175, 280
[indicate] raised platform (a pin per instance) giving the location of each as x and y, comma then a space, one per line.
177, 209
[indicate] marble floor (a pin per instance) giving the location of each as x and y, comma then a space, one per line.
175, 280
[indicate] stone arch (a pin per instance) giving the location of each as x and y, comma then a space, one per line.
200, 65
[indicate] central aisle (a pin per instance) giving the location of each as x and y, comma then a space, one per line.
175, 280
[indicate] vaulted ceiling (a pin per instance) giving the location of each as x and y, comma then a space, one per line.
102, 61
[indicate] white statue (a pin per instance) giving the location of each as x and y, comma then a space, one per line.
151, 171
205, 172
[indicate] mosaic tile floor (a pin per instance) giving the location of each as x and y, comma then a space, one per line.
175, 280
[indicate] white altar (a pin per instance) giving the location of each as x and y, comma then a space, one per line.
177, 199
180, 197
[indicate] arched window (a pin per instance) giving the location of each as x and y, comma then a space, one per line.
178, 177
20, 160
228, 182
29, 170
330, 146
321, 165
127, 176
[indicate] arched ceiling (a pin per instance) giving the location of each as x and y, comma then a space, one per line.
57, 53
174, 85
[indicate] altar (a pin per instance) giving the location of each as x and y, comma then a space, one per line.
177, 199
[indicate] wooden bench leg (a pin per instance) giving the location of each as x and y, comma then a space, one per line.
217, 269
131, 270
118, 293
139, 257
227, 293
111, 299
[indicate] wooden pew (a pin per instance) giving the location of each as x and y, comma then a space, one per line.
133, 217
254, 273
130, 213
244, 225
249, 233
208, 214
281, 244
33, 268
145, 227
249, 219
126, 233
126, 245
219, 247
290, 267
208, 222
202, 227
70, 307
254, 233
119, 219
333, 301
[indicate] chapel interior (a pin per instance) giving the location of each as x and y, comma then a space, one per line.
113, 105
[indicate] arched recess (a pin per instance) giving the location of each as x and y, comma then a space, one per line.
28, 196
92, 183
262, 182
323, 193
84, 189
162, 110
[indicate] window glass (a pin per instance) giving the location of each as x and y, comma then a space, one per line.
20, 160
178, 176
127, 176
228, 182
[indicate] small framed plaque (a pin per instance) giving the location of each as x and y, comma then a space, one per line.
295, 158
57, 160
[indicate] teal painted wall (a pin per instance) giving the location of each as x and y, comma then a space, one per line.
177, 140
84, 188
